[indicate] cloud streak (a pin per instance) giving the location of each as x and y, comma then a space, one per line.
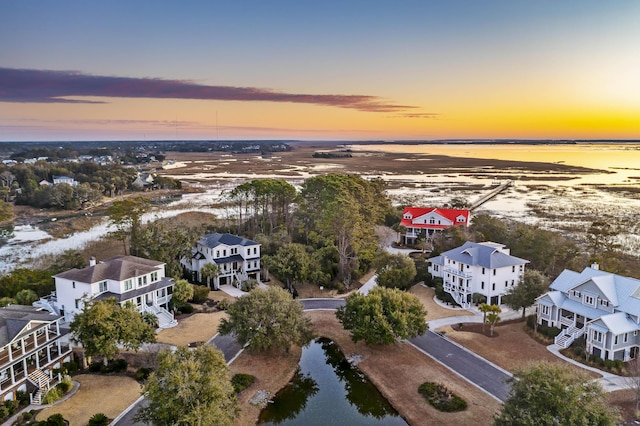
45, 86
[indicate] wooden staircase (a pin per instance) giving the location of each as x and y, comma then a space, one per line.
40, 379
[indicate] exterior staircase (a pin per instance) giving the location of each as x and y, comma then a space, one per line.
165, 318
40, 379
568, 336
36, 398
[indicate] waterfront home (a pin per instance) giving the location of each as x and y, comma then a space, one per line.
601, 306
32, 344
485, 269
125, 278
424, 222
237, 258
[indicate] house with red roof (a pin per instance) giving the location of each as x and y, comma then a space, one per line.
426, 221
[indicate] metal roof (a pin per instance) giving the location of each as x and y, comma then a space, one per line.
215, 239
487, 255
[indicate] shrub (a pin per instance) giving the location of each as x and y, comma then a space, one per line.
26, 416
478, 298
224, 304
55, 420
52, 396
442, 398
200, 294
72, 367
186, 309
95, 367
249, 284
64, 386
98, 419
242, 381
10, 406
119, 365
142, 374
22, 398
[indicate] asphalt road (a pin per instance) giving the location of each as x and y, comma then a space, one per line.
466, 364
323, 304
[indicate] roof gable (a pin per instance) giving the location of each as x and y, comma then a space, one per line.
117, 268
485, 255
421, 216
216, 239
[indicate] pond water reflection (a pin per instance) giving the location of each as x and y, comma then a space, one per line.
327, 390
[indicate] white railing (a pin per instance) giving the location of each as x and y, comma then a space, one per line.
458, 273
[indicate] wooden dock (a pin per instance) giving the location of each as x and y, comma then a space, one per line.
500, 188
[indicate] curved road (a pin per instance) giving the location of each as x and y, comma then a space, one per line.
471, 367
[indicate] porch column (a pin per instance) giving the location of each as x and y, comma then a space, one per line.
48, 354
22, 346
13, 376
24, 366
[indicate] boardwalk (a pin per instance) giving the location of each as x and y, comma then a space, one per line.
491, 194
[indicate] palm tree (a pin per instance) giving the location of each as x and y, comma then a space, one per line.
210, 272
493, 318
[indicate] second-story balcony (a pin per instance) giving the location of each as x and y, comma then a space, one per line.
458, 273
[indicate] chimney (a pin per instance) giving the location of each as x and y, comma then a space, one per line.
595, 266
92, 261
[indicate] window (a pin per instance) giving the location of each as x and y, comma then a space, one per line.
513, 268
597, 336
482, 285
224, 252
482, 271
625, 338
494, 272
604, 302
493, 286
588, 300
545, 310
467, 266
154, 277
144, 280
506, 284
255, 250
615, 340
128, 284
432, 221
73, 284
513, 282
139, 281
102, 287
77, 303
217, 253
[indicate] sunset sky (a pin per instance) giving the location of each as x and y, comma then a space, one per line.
322, 70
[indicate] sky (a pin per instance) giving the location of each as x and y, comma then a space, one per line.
329, 70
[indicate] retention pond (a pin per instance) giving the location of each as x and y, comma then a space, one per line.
328, 390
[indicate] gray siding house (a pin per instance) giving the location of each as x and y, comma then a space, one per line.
603, 307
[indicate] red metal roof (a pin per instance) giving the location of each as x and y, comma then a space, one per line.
449, 214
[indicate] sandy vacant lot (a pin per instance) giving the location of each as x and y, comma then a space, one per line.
109, 395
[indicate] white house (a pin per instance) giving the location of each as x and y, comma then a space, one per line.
484, 268
424, 222
603, 307
237, 258
125, 278
65, 179
32, 344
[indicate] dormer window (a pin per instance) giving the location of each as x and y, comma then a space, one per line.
102, 287
431, 221
604, 302
460, 219
128, 284
588, 300
154, 277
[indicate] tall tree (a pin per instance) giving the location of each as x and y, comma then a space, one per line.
397, 271
104, 326
632, 382
532, 285
290, 263
382, 316
493, 318
267, 319
189, 387
126, 216
551, 394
